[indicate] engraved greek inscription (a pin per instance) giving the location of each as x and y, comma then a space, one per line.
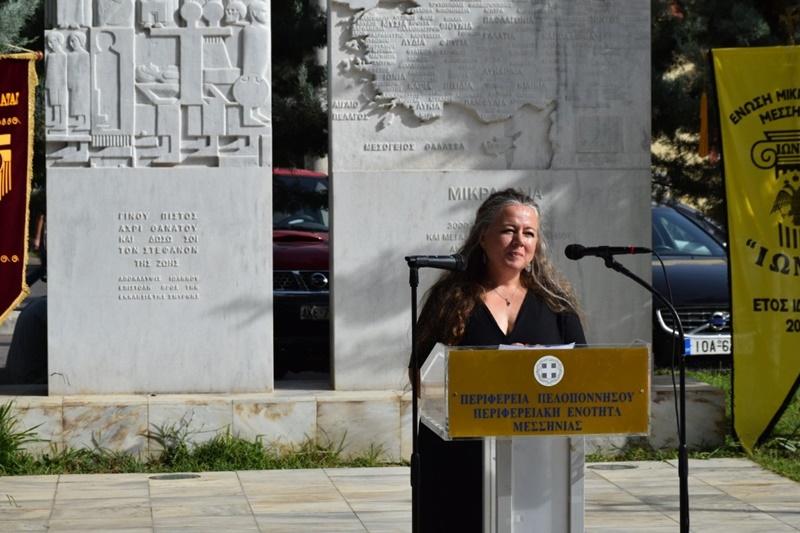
344, 104
445, 146
179, 215
444, 25
498, 36
349, 116
133, 216
453, 42
389, 147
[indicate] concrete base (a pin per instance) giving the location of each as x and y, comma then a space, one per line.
356, 421
706, 423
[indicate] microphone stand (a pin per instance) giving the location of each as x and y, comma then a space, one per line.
415, 385
683, 454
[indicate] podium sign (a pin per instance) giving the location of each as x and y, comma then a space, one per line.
514, 393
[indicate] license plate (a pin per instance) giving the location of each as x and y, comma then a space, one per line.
313, 312
708, 346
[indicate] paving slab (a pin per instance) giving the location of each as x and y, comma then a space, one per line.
725, 496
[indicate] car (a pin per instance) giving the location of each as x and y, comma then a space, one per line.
694, 278
301, 271
706, 222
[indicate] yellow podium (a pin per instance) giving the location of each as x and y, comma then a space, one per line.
507, 395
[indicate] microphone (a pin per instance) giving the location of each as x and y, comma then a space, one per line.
577, 251
447, 262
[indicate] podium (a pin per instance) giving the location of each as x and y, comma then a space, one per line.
532, 407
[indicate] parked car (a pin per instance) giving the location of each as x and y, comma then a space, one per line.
711, 226
301, 272
695, 279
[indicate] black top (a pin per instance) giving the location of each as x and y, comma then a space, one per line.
536, 324
451, 472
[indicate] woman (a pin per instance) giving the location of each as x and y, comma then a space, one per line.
510, 293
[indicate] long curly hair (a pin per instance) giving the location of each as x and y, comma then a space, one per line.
452, 298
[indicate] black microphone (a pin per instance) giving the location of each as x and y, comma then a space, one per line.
577, 251
447, 262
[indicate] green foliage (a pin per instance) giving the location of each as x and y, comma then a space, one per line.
82, 461
222, 452
16, 19
300, 122
683, 32
13, 440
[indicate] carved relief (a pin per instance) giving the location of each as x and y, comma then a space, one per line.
56, 82
77, 72
159, 83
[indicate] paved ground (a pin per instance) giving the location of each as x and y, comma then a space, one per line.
726, 496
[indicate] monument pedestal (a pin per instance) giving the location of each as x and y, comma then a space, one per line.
532, 408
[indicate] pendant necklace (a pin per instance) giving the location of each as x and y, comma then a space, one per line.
508, 300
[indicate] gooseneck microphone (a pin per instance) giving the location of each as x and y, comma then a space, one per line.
446, 262
577, 251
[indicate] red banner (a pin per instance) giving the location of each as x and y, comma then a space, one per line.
17, 84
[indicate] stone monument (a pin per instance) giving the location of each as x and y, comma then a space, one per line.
434, 104
159, 160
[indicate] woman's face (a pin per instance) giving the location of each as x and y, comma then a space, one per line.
510, 240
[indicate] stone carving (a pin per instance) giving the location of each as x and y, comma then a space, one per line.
157, 13
77, 73
158, 83
114, 13
56, 82
252, 88
509, 79
68, 13
427, 56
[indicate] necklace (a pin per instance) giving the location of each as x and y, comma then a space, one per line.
508, 300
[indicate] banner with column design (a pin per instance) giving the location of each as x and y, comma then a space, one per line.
758, 91
17, 97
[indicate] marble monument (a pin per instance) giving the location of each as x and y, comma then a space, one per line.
435, 104
159, 131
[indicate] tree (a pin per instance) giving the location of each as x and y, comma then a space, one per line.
683, 34
299, 120
17, 25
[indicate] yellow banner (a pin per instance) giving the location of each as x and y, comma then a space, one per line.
758, 90
583, 391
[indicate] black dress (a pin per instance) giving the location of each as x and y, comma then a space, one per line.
451, 473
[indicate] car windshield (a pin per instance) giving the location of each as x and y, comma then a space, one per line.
299, 203
674, 234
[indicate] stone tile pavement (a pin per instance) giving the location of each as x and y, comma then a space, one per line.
726, 495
